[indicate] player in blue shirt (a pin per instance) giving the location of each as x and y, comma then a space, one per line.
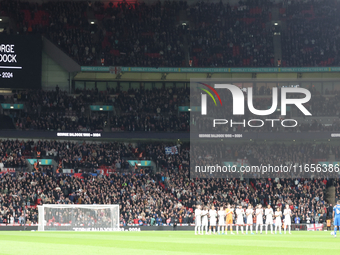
336, 217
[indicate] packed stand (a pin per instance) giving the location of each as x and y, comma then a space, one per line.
151, 110
230, 36
217, 34
148, 199
290, 156
324, 109
305, 196
134, 110
141, 35
154, 110
124, 34
71, 155
310, 38
280, 153
12, 154
137, 34
164, 197
55, 110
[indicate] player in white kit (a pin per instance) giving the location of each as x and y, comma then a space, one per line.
221, 220
240, 218
269, 218
278, 221
205, 214
198, 222
259, 218
212, 217
287, 221
249, 214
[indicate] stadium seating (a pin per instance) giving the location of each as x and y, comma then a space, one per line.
131, 34
143, 111
304, 42
235, 37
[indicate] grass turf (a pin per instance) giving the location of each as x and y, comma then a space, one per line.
165, 242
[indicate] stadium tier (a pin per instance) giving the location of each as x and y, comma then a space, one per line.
170, 34
142, 110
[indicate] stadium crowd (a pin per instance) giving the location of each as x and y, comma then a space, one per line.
305, 196
307, 41
163, 33
222, 35
148, 199
130, 34
164, 197
150, 110
135, 110
112, 154
324, 110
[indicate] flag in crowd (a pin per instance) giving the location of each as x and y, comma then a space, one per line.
171, 150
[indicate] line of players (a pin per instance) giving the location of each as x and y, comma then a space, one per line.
225, 219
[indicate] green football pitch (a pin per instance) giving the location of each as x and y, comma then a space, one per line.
165, 242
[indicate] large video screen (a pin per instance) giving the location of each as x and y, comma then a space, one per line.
20, 61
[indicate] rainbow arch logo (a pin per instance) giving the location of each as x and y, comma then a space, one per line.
209, 93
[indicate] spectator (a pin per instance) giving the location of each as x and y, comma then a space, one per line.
330, 211
297, 219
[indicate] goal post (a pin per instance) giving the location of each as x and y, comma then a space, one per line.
74, 217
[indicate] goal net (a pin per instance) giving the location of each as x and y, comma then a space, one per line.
70, 217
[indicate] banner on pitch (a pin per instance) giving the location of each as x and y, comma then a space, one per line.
314, 227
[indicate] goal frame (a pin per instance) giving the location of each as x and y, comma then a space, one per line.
41, 210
